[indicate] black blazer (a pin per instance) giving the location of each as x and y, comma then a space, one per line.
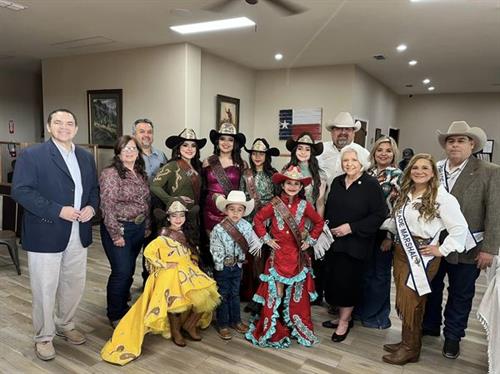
43, 185
363, 207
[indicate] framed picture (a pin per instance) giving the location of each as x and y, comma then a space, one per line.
228, 110
105, 116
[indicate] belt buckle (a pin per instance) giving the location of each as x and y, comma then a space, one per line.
229, 261
139, 219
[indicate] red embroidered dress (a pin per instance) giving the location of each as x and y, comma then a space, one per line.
276, 325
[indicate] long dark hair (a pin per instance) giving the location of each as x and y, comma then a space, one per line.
267, 167
188, 231
139, 166
195, 161
313, 169
235, 153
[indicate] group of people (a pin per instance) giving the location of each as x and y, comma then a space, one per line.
328, 226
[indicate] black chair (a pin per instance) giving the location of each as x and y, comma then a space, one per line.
8, 238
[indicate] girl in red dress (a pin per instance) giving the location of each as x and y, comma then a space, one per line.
287, 285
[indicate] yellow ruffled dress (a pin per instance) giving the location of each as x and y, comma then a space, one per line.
175, 285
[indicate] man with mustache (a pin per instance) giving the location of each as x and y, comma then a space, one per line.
342, 130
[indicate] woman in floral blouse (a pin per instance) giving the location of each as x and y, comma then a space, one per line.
125, 200
375, 305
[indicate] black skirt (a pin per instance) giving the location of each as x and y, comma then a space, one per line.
342, 279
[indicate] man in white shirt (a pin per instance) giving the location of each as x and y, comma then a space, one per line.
476, 185
342, 130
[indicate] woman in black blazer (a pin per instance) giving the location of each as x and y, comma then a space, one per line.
355, 210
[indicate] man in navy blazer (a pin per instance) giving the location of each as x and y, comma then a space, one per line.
56, 183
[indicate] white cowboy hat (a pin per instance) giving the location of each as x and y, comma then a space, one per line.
462, 128
344, 120
235, 197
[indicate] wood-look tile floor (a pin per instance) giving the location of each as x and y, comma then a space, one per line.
360, 353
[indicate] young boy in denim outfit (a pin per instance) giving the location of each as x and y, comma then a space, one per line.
229, 241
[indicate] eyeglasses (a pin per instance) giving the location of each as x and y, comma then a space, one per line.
129, 149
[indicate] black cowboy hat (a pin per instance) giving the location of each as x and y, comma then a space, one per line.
227, 129
186, 134
305, 138
261, 145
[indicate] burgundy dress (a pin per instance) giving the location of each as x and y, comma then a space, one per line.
212, 215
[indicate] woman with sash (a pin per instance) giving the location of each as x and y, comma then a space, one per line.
422, 211
375, 303
257, 184
355, 210
180, 178
177, 295
287, 286
303, 154
221, 174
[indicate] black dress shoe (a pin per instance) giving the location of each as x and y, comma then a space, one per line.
430, 332
332, 325
340, 338
451, 348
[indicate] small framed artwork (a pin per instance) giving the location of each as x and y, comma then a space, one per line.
105, 116
228, 110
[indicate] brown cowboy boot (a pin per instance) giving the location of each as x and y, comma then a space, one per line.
393, 347
409, 350
175, 329
190, 327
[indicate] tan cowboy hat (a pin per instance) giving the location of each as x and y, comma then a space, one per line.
175, 207
344, 120
227, 129
462, 128
235, 197
186, 134
305, 138
261, 145
292, 173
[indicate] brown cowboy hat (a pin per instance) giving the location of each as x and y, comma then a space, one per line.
292, 173
305, 138
261, 145
186, 134
227, 129
462, 128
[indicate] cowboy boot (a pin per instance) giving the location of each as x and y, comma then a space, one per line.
392, 347
175, 329
408, 351
190, 327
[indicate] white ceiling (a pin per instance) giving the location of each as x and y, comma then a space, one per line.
457, 42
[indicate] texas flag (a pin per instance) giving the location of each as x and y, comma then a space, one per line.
293, 122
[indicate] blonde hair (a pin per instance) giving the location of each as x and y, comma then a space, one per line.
428, 209
394, 147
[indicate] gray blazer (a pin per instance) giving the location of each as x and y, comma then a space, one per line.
477, 189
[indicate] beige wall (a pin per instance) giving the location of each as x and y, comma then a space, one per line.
420, 116
21, 101
223, 77
374, 102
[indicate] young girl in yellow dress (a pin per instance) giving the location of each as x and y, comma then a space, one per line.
177, 295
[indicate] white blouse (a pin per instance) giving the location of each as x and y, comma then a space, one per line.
449, 218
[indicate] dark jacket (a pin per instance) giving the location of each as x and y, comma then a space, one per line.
363, 207
43, 185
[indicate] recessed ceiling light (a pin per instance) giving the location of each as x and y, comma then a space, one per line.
223, 24
278, 56
401, 47
412, 62
426, 81
431, 88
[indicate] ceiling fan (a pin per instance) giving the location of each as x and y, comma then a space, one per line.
286, 7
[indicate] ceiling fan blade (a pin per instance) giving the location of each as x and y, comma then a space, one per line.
220, 5
287, 7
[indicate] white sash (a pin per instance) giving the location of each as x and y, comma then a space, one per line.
473, 238
417, 279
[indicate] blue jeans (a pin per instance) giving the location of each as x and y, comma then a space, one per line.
228, 281
122, 261
375, 305
461, 290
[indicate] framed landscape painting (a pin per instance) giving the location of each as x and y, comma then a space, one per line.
105, 116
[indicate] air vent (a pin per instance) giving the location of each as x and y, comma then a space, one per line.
379, 57
409, 85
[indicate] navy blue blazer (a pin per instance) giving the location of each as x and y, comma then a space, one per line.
43, 185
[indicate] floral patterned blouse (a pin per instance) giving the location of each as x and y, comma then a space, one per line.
264, 187
389, 179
